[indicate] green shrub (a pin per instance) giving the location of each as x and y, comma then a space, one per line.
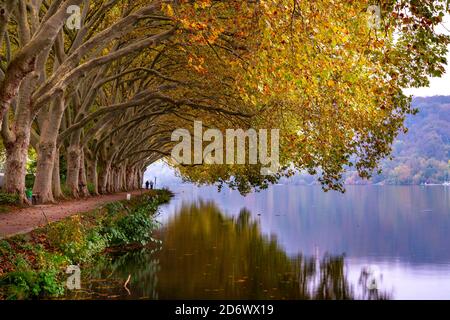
114, 208
135, 227
21, 263
90, 187
76, 242
9, 199
50, 284
5, 247
164, 196
94, 244
24, 282
66, 190
50, 261
32, 284
67, 236
61, 233
29, 181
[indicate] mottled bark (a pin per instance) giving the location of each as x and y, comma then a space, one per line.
74, 158
128, 176
131, 178
73, 169
56, 178
16, 160
17, 141
140, 179
83, 190
110, 183
47, 152
115, 187
103, 176
123, 184
43, 183
92, 174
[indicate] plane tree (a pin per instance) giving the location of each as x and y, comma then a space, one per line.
107, 96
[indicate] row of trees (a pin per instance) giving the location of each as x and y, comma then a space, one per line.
108, 95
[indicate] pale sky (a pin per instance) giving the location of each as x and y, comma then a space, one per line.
438, 86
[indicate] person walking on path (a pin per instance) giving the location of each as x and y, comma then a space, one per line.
147, 184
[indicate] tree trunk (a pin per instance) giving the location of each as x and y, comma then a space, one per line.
140, 179
17, 142
103, 177
47, 152
73, 169
135, 179
56, 178
102, 181
92, 174
131, 179
16, 161
117, 180
127, 178
82, 177
43, 183
17, 73
123, 178
110, 185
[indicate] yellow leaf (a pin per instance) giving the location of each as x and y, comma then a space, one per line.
170, 10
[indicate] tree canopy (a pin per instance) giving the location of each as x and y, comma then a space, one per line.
100, 102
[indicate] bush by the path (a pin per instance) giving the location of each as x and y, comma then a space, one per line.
9, 199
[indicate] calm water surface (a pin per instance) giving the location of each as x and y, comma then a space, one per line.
290, 242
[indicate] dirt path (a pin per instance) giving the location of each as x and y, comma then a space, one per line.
25, 220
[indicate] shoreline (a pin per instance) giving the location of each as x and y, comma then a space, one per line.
26, 219
34, 264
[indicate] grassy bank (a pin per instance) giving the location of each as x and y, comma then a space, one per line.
33, 265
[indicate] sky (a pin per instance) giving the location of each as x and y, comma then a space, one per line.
438, 86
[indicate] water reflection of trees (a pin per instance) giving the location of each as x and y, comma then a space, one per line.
207, 255
106, 278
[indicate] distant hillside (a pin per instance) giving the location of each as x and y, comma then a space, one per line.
422, 155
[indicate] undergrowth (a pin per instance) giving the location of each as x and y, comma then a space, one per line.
33, 266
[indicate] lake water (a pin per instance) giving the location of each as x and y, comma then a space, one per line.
291, 242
